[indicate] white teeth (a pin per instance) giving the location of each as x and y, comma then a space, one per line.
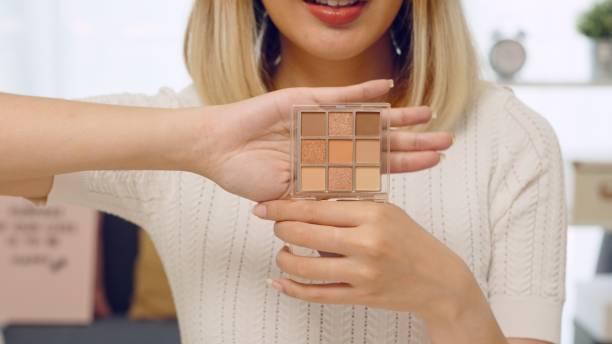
336, 3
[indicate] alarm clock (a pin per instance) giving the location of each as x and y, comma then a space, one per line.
508, 56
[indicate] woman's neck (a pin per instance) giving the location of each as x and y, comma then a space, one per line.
300, 69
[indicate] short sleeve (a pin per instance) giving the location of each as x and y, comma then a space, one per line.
529, 225
132, 195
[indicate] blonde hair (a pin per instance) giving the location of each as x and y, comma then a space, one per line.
230, 46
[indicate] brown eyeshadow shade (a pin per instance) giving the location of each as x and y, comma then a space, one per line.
340, 179
367, 179
368, 151
313, 178
340, 151
340, 123
313, 151
313, 124
368, 124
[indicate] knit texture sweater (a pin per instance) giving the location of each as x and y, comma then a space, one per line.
497, 201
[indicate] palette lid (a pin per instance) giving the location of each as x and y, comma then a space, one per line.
346, 106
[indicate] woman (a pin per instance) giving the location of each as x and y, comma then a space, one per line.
471, 250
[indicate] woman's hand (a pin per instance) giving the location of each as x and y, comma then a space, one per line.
387, 261
245, 146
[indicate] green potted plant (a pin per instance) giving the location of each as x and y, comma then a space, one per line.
596, 24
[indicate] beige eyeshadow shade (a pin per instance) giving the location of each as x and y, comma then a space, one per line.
313, 178
313, 124
368, 151
368, 124
313, 151
340, 123
340, 151
367, 179
340, 179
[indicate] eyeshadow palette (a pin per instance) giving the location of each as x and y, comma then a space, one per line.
340, 152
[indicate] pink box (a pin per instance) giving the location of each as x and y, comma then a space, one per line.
47, 263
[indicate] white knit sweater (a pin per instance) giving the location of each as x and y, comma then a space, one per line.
497, 200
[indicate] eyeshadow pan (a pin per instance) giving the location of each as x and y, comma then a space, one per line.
340, 123
368, 124
340, 151
313, 151
368, 151
340, 179
367, 179
313, 124
313, 178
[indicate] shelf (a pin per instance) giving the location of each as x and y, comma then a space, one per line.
549, 84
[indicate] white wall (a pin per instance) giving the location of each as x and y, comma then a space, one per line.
74, 48
556, 51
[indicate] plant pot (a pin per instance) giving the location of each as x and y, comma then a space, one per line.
602, 60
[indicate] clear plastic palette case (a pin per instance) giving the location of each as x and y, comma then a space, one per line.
340, 152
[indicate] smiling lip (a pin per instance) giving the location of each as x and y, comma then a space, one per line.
336, 16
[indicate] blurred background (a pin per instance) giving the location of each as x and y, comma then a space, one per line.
73, 49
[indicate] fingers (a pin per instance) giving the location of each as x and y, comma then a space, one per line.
366, 91
408, 116
316, 237
405, 141
338, 214
314, 268
331, 293
371, 90
402, 162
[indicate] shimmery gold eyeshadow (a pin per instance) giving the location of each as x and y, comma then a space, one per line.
313, 178
340, 123
340, 151
367, 178
313, 124
340, 179
368, 151
313, 151
368, 124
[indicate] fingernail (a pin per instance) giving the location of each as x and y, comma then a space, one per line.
274, 284
391, 83
434, 115
442, 156
259, 210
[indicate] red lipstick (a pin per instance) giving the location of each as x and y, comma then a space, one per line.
336, 15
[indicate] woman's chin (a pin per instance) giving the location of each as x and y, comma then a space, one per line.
334, 50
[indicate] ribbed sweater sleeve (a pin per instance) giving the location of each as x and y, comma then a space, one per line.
528, 221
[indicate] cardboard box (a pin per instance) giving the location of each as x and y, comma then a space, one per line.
47, 263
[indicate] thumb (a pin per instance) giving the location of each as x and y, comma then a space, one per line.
363, 92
